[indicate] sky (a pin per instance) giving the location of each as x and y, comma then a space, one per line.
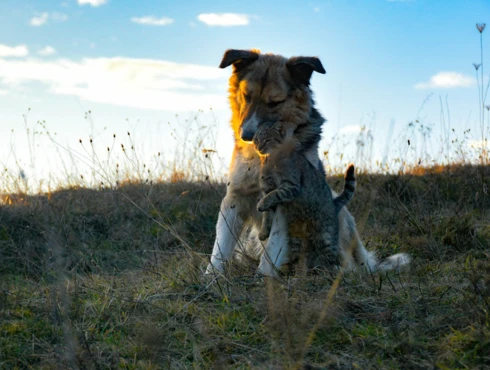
151, 68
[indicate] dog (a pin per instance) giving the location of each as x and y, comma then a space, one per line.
271, 88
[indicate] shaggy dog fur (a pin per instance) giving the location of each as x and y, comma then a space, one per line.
270, 88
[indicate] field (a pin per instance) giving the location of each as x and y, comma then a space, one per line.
112, 278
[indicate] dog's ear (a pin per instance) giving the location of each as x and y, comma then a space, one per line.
301, 68
239, 58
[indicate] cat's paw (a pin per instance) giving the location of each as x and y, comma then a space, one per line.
261, 206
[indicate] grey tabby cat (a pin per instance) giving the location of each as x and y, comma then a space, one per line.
289, 180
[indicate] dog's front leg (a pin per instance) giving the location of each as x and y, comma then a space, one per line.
228, 230
276, 251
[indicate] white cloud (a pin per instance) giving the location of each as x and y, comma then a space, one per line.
13, 51
46, 51
3, 92
447, 80
224, 19
92, 2
353, 129
141, 83
39, 20
43, 18
153, 21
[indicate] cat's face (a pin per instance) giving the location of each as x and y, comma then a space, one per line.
267, 137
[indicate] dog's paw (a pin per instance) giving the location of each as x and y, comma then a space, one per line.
212, 270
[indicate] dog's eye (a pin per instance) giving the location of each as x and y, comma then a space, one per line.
273, 104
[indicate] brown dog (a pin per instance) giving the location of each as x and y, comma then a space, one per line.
270, 88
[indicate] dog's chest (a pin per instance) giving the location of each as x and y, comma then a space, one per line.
243, 179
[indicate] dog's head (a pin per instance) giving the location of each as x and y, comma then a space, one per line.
268, 88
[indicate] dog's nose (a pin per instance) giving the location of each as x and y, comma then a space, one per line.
247, 135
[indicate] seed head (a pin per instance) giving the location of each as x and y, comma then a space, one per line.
476, 66
480, 27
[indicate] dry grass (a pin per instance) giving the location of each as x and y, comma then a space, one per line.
113, 278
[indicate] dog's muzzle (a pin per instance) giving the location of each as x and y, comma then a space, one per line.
247, 135
249, 127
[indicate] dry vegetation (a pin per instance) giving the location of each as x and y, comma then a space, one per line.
113, 278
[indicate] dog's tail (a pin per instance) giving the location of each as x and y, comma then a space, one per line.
371, 263
355, 253
349, 189
394, 262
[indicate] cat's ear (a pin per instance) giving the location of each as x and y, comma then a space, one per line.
280, 128
285, 130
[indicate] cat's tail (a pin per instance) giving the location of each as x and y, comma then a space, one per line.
349, 189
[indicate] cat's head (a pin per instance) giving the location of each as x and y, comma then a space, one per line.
268, 137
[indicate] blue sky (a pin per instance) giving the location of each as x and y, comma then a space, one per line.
145, 61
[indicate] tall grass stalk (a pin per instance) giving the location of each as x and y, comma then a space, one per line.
482, 93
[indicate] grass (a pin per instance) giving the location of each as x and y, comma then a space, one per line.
112, 278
